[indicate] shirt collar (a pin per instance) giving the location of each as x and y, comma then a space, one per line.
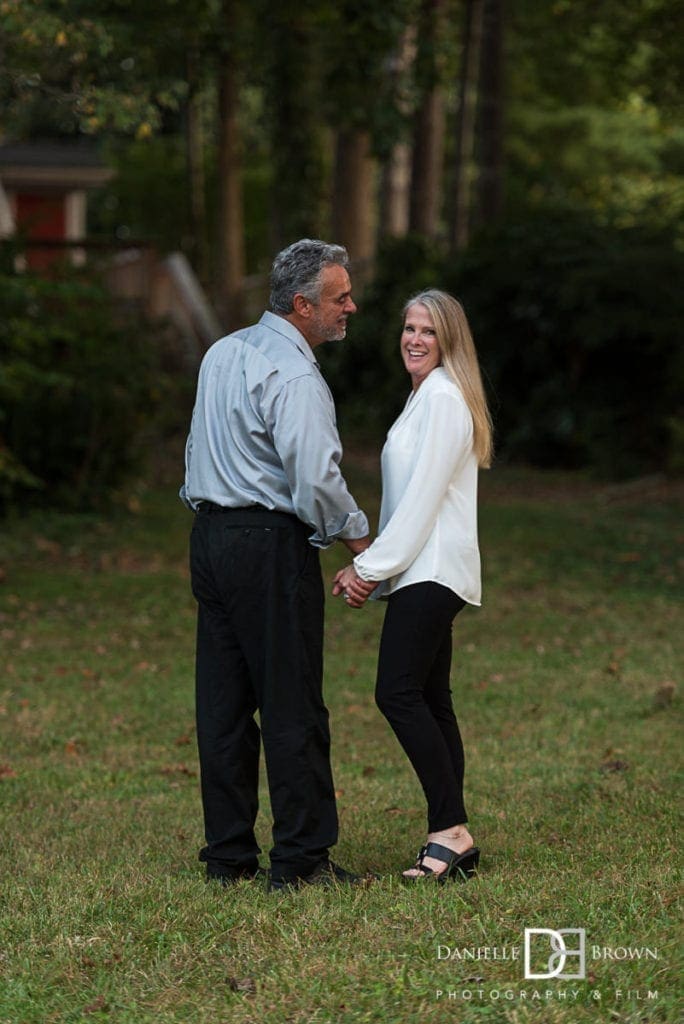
282, 326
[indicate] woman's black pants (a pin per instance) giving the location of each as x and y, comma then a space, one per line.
413, 694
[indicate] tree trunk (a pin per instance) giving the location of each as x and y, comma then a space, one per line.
426, 176
293, 105
196, 174
231, 224
464, 157
491, 188
395, 192
353, 206
428, 135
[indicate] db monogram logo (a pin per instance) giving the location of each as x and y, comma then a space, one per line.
538, 942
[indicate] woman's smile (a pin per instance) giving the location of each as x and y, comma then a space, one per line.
419, 345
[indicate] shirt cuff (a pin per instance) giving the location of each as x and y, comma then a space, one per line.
355, 526
360, 571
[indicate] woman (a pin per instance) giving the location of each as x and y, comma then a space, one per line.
425, 561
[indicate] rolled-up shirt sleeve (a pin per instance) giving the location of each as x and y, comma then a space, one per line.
302, 425
445, 442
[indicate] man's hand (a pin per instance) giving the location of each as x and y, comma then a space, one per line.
354, 590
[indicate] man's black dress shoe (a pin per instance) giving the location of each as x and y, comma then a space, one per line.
325, 874
229, 876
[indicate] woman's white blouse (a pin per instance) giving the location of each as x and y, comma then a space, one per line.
428, 515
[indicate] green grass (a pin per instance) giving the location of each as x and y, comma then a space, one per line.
563, 684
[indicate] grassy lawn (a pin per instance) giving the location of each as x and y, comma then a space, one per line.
564, 686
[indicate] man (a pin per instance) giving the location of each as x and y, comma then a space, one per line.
262, 474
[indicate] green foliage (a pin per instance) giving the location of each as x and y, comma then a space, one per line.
578, 330
625, 163
578, 327
355, 92
70, 70
78, 385
592, 108
150, 181
292, 114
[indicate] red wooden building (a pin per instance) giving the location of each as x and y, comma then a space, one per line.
43, 196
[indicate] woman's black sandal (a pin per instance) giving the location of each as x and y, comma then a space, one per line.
458, 865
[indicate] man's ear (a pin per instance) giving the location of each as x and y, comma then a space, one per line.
301, 306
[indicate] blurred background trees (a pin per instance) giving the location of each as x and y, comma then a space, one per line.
528, 156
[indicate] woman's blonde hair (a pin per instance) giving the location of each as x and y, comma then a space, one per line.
459, 359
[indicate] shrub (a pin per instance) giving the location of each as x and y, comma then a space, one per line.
78, 384
578, 326
578, 330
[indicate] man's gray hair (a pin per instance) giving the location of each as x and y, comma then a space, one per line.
297, 270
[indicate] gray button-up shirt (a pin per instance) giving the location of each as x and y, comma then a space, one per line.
263, 432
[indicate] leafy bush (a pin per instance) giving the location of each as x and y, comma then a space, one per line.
78, 385
578, 328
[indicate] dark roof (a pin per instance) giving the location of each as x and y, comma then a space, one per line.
51, 154
53, 166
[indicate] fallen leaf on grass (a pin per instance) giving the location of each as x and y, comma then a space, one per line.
245, 985
97, 1004
7, 772
48, 547
614, 766
663, 696
72, 748
178, 769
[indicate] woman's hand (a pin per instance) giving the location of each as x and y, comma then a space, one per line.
354, 590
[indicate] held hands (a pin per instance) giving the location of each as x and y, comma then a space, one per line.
354, 590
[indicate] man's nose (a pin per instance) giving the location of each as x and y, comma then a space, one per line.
350, 305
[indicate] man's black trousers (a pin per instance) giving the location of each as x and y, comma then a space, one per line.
259, 590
